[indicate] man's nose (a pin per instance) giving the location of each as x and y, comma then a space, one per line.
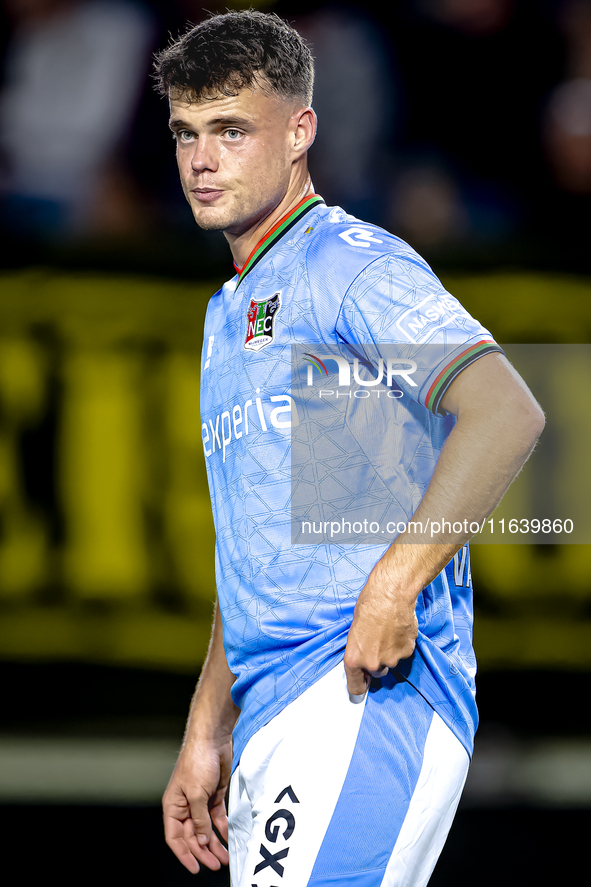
204, 155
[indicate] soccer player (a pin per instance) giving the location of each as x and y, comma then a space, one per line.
337, 696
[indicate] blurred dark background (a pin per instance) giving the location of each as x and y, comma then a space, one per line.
463, 126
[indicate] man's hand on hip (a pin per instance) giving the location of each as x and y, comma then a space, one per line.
383, 632
194, 802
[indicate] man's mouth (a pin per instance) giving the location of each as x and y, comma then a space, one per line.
206, 195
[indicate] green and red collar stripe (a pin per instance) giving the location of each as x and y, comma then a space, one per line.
276, 232
459, 363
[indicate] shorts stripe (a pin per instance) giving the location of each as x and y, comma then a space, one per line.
381, 780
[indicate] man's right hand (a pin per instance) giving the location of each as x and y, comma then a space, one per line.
194, 802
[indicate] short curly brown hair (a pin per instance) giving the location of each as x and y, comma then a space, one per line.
227, 52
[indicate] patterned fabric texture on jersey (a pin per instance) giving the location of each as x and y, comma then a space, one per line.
325, 279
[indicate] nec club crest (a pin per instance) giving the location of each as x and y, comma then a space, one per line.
260, 322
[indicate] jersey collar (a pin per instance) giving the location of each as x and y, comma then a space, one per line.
276, 233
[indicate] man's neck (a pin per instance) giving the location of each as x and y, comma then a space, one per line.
242, 245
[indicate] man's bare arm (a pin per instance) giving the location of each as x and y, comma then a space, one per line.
498, 424
194, 800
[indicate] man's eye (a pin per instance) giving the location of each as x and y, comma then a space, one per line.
233, 134
183, 135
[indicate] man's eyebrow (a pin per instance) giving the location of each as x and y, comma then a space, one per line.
216, 121
178, 124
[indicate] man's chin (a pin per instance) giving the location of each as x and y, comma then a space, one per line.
209, 222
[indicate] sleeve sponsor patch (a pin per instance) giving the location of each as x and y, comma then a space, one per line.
435, 312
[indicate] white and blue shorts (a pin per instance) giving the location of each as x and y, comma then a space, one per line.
334, 792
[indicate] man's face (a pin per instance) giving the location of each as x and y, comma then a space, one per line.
235, 157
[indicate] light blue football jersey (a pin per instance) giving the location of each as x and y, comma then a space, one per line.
325, 279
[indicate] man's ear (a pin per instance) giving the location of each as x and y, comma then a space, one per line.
304, 123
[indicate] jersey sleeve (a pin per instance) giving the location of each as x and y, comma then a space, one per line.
397, 305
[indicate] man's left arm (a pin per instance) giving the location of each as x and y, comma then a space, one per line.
498, 424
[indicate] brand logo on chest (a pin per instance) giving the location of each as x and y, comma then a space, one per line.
260, 322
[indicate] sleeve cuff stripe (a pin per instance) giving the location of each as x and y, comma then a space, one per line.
447, 375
